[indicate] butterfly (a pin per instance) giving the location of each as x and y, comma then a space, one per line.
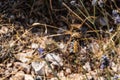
76, 46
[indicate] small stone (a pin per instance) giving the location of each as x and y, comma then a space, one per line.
87, 66
68, 71
3, 30
7, 72
102, 78
55, 59
28, 77
9, 65
90, 77
18, 76
94, 47
23, 56
113, 66
83, 50
39, 67
11, 43
61, 74
76, 77
34, 45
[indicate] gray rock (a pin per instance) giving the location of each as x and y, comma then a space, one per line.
23, 56
55, 59
39, 67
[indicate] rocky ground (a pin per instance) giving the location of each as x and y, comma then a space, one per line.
59, 40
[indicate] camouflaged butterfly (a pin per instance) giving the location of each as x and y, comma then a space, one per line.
73, 47
76, 46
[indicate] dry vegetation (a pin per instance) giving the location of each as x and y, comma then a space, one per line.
59, 40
